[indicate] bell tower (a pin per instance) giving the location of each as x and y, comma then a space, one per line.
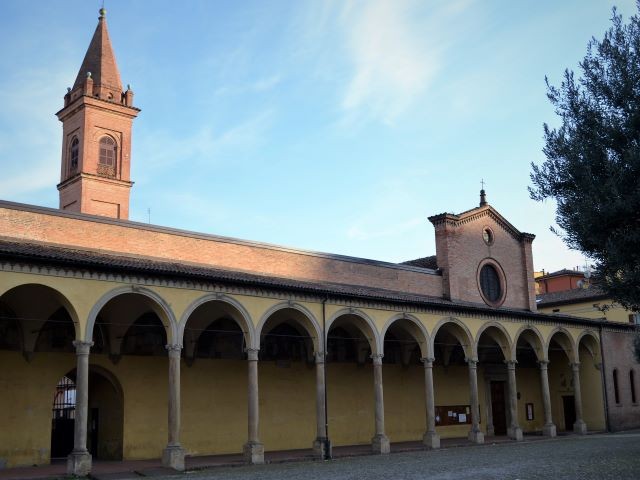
96, 134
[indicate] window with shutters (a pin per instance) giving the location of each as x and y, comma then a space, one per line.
107, 158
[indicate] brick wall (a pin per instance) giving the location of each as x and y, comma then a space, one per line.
55, 227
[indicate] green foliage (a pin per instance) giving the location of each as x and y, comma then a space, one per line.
592, 168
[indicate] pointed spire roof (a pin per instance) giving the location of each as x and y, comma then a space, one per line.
100, 59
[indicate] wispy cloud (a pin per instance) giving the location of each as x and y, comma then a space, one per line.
261, 85
205, 146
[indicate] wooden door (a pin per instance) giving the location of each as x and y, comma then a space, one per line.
498, 408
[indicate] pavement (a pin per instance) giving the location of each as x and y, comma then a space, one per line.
590, 457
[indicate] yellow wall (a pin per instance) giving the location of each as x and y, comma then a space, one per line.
613, 311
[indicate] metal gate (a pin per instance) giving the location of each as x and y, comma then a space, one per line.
64, 414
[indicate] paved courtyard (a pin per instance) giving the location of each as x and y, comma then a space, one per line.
601, 457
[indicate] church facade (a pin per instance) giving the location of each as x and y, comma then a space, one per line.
121, 340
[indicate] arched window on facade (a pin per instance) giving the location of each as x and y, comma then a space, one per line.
107, 158
632, 383
616, 391
74, 153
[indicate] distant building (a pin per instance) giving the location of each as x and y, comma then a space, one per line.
122, 340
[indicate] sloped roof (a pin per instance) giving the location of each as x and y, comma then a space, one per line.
424, 262
100, 60
575, 295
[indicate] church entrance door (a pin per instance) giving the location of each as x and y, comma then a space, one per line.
498, 408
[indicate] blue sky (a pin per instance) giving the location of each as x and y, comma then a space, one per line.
336, 126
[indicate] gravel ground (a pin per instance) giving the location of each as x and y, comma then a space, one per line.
601, 457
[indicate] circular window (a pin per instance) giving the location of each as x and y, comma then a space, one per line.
490, 283
487, 236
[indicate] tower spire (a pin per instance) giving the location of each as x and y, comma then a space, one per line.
100, 62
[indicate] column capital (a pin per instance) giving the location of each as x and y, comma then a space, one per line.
82, 348
320, 357
575, 366
377, 358
511, 364
428, 361
544, 364
174, 349
252, 354
472, 362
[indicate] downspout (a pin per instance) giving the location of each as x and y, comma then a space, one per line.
604, 384
327, 442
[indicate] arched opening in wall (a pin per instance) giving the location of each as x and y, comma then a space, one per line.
403, 379
105, 416
130, 333
287, 380
349, 373
493, 351
37, 330
214, 382
591, 381
528, 352
561, 389
451, 347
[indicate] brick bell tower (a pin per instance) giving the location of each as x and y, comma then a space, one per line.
96, 134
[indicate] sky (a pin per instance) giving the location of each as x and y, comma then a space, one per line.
335, 126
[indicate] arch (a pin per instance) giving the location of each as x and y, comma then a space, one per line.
110, 376
369, 331
461, 332
74, 153
418, 331
107, 154
591, 342
308, 322
566, 342
490, 328
164, 310
534, 338
245, 322
64, 301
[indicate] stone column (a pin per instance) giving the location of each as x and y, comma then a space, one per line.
79, 460
579, 427
380, 442
487, 390
475, 435
514, 431
321, 445
431, 439
173, 454
549, 429
253, 449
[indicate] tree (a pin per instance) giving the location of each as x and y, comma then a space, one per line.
592, 166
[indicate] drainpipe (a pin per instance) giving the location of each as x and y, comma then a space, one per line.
327, 445
604, 384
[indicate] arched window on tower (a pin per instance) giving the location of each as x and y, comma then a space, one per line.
74, 153
107, 158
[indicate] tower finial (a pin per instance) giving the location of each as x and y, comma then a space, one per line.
102, 11
483, 196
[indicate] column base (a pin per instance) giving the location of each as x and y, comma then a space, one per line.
322, 448
253, 453
476, 436
580, 427
173, 457
515, 433
491, 431
431, 440
549, 430
380, 444
79, 464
